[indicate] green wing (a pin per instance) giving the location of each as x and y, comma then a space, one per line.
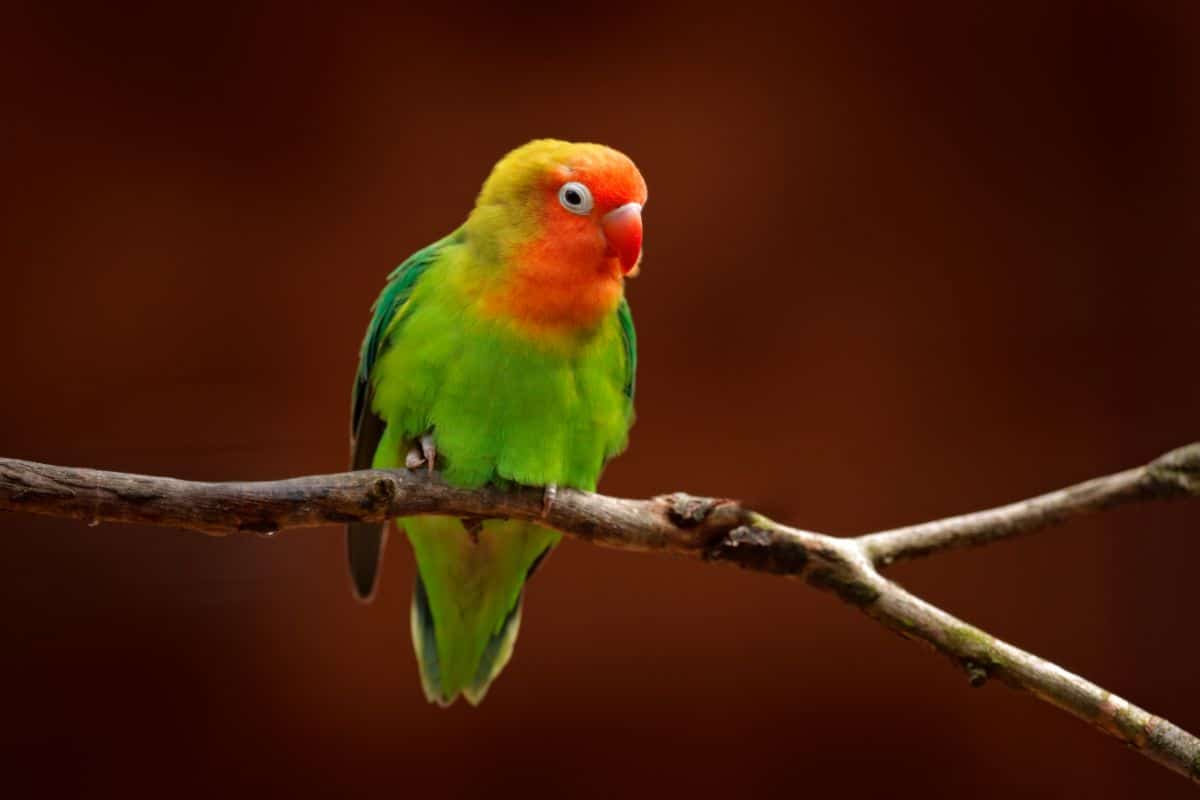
364, 541
395, 294
629, 337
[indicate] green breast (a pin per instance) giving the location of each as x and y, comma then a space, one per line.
501, 405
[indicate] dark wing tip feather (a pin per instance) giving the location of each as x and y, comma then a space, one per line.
365, 540
364, 550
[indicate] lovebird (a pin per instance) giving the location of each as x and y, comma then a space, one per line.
502, 354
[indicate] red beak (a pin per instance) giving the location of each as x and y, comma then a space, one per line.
623, 230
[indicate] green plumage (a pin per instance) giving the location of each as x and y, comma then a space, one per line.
503, 406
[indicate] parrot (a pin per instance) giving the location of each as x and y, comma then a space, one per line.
502, 354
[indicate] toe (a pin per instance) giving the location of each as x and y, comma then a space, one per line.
429, 451
413, 459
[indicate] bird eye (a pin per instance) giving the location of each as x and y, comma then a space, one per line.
575, 197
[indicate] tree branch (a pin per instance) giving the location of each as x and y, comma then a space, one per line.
711, 529
1175, 474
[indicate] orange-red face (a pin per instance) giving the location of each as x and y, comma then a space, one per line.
592, 211
572, 217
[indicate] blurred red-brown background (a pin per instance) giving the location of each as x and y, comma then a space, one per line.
902, 262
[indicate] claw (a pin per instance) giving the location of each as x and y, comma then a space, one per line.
429, 450
548, 495
424, 453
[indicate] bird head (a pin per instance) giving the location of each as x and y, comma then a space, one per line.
583, 201
563, 222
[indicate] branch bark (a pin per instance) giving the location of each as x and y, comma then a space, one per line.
1175, 474
711, 529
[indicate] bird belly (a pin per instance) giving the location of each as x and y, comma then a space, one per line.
503, 409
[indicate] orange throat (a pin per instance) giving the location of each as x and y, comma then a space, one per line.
554, 294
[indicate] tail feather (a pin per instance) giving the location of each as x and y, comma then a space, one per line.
425, 643
466, 608
495, 656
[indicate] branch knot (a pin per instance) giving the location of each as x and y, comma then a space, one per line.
381, 493
688, 511
977, 673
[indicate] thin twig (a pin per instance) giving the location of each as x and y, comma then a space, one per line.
1175, 474
707, 528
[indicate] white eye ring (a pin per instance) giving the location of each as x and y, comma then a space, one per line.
575, 197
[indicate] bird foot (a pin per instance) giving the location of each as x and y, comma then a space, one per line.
423, 453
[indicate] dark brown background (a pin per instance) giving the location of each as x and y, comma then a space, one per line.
901, 263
